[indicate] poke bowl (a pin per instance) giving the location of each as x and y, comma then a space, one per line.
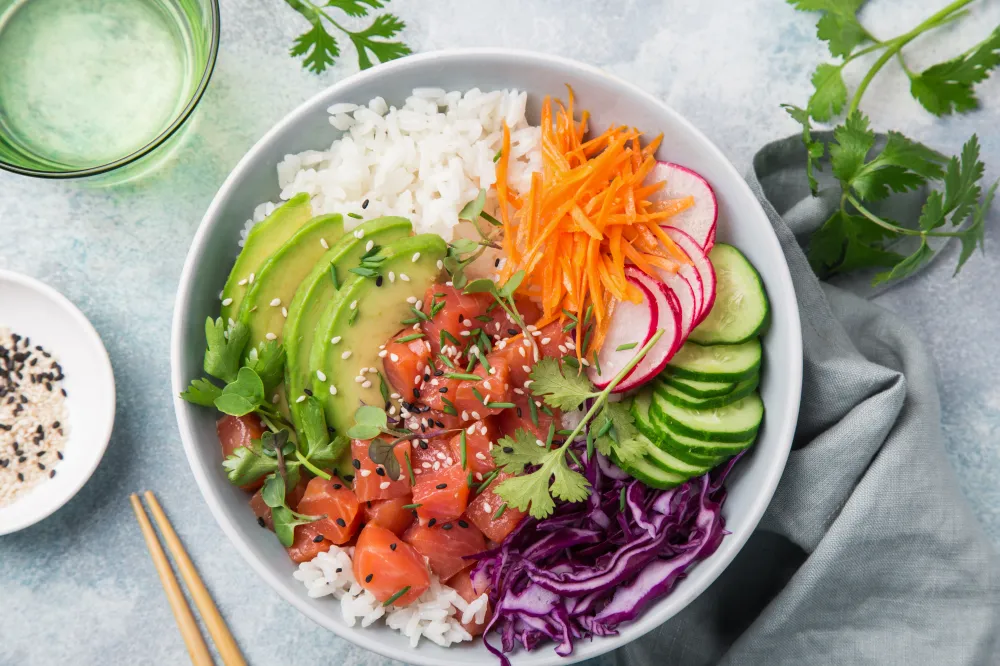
485, 342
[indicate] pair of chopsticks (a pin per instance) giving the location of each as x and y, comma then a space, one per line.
224, 641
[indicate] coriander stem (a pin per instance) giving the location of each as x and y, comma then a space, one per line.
312, 468
895, 228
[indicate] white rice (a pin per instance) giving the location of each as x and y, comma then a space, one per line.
424, 161
437, 615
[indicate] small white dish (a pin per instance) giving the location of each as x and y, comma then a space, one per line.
33, 309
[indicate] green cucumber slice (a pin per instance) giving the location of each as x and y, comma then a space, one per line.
678, 397
698, 389
649, 473
717, 363
674, 465
741, 310
657, 433
735, 422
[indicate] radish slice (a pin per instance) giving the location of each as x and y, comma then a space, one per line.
632, 325
702, 264
698, 221
669, 320
684, 293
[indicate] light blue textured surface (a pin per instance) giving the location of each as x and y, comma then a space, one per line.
80, 588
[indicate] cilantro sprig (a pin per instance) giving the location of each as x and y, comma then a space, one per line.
319, 48
856, 236
553, 477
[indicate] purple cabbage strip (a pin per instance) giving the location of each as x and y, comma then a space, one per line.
595, 566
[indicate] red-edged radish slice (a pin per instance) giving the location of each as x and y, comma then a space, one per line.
702, 264
632, 325
684, 293
699, 220
669, 320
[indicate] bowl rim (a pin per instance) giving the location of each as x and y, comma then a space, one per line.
215, 30
103, 440
709, 569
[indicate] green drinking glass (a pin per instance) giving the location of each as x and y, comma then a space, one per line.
90, 86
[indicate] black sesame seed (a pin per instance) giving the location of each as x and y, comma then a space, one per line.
339, 570
511, 331
518, 412
59, 455
427, 377
441, 486
349, 478
337, 486
431, 522
307, 392
378, 281
20, 477
438, 372
416, 393
392, 546
364, 204
380, 471
41, 467
260, 521
463, 524
508, 449
496, 263
369, 577
446, 526
439, 424
318, 539
341, 522
56, 424
356, 463
443, 389
422, 444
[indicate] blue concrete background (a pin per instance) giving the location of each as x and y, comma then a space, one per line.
80, 588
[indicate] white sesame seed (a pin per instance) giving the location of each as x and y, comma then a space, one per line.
479, 476
425, 465
486, 385
536, 333
251, 278
346, 355
416, 256
546, 341
366, 384
411, 300
538, 403
527, 383
585, 362
227, 302
359, 233
392, 276
526, 368
466, 322
335, 339
275, 398
369, 245
271, 336
449, 283
482, 430
275, 302
419, 305
519, 391
320, 376
392, 410
570, 344
322, 241
471, 429
531, 327
436, 465
493, 371
476, 415
284, 312
359, 379
487, 507
333, 390
440, 264
539, 442
242, 282
366, 472
354, 305
393, 357
562, 349
520, 350
383, 353
416, 379
449, 461
394, 396
465, 334
404, 277
480, 455
301, 398
465, 415
384, 484
440, 455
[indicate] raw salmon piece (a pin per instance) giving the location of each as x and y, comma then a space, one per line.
335, 500
389, 513
479, 439
442, 495
458, 309
482, 509
470, 591
384, 565
371, 482
446, 545
237, 431
405, 362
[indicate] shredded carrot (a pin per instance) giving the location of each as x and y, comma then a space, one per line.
588, 214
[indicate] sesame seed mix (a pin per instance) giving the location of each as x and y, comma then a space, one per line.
32, 415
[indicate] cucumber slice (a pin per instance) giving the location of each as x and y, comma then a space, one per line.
697, 389
673, 464
678, 397
736, 422
649, 473
677, 444
657, 433
717, 363
741, 310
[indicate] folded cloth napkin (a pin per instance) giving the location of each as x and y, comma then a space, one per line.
868, 553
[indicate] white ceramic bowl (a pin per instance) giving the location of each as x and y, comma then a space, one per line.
742, 223
37, 311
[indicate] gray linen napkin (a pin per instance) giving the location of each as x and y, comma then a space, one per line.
868, 553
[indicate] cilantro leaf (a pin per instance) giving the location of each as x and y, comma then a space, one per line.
268, 361
273, 491
327, 455
847, 242
622, 436
244, 466
225, 346
839, 25
529, 492
567, 484
974, 235
948, 86
201, 392
830, 94
472, 210
908, 266
559, 390
814, 149
513, 454
285, 521
355, 8
384, 26
902, 165
241, 396
852, 141
319, 47
961, 181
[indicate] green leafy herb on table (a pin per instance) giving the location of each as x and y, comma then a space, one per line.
552, 476
320, 49
856, 236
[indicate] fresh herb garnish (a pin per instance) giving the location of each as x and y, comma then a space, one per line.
371, 422
627, 346
552, 476
462, 447
321, 49
397, 595
408, 338
856, 236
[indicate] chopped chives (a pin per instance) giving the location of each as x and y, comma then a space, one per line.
571, 362
604, 428
492, 220
446, 361
412, 506
463, 448
500, 511
487, 481
569, 327
482, 359
479, 396
501, 405
408, 338
446, 334
409, 468
572, 454
333, 276
462, 375
496, 158
420, 313
534, 410
396, 596
362, 271
569, 314
590, 445
627, 346
484, 319
552, 433
410, 320
449, 407
353, 317
597, 364
355, 216
621, 501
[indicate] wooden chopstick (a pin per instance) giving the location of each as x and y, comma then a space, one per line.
224, 641
182, 612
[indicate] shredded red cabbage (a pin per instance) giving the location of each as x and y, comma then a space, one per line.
590, 566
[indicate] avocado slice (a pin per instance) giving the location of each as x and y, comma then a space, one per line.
266, 304
318, 289
266, 237
361, 318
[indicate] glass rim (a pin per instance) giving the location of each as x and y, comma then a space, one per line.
159, 139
